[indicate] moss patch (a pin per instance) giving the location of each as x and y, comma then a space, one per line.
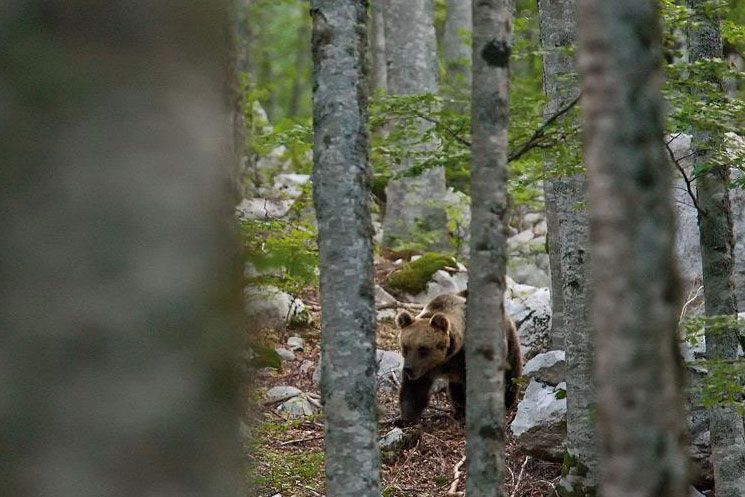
412, 277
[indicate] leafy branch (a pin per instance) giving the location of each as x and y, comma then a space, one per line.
681, 170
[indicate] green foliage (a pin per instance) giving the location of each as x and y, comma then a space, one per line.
413, 276
283, 252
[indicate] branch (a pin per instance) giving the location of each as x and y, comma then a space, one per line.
541, 131
687, 180
452, 133
453, 490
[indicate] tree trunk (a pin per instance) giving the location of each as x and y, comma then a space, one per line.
456, 47
485, 337
119, 267
379, 79
640, 422
718, 263
340, 194
413, 212
568, 248
301, 57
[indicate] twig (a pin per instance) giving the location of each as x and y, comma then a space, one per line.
519, 477
400, 305
301, 440
690, 301
541, 131
452, 133
311, 489
453, 490
687, 180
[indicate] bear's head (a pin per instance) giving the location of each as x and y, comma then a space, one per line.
425, 343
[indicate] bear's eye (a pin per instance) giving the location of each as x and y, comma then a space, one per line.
423, 351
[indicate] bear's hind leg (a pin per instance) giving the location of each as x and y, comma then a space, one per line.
457, 394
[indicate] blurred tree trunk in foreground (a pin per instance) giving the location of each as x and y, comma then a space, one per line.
118, 266
640, 421
485, 343
341, 192
379, 73
567, 215
718, 263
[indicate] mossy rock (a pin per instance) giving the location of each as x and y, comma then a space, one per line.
412, 277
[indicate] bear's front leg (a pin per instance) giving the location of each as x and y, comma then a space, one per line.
414, 397
457, 394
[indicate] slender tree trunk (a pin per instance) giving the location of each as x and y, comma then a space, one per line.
640, 422
119, 270
456, 47
718, 262
340, 195
485, 337
379, 79
412, 205
568, 247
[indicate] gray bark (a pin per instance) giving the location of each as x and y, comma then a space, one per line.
119, 277
379, 73
485, 338
640, 421
568, 249
340, 194
718, 263
413, 204
455, 46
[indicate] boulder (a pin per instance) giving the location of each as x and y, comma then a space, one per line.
298, 407
269, 307
392, 440
531, 311
281, 393
285, 354
390, 364
290, 186
263, 208
540, 424
547, 367
295, 344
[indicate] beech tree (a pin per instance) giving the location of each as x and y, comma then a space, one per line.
636, 300
567, 216
119, 267
485, 337
718, 263
340, 195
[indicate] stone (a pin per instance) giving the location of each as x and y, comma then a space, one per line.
382, 297
295, 344
532, 316
519, 240
441, 282
392, 440
386, 314
533, 218
390, 364
306, 366
526, 270
539, 426
547, 367
281, 393
298, 407
290, 185
270, 308
263, 208
540, 229
285, 354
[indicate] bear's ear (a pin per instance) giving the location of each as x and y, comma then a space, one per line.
440, 322
404, 319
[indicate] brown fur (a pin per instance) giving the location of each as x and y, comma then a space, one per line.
432, 346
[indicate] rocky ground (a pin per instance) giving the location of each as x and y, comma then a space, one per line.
286, 454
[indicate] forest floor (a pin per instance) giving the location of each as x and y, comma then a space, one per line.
286, 454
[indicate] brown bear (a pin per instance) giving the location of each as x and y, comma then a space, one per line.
432, 347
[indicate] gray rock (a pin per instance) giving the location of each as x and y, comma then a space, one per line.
540, 424
285, 354
533, 218
526, 270
532, 316
297, 407
269, 307
263, 208
547, 367
306, 366
386, 314
295, 344
392, 440
390, 364
442, 282
290, 185
382, 297
278, 394
540, 229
